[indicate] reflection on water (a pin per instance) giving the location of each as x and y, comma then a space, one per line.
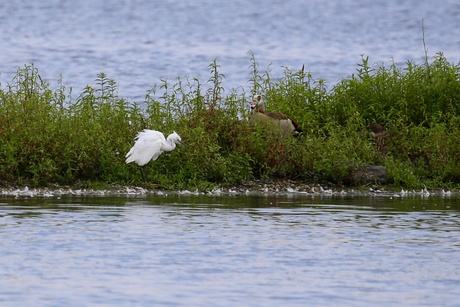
227, 251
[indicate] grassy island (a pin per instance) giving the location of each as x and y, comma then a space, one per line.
404, 117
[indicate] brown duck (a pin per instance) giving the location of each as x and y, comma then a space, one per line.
287, 126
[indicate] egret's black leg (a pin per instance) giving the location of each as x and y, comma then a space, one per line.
144, 172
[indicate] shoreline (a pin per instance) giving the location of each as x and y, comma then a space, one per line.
253, 188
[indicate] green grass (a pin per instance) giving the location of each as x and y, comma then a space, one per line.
49, 137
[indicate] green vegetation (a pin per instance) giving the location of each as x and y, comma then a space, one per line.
47, 136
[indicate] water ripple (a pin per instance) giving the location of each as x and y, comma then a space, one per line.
144, 252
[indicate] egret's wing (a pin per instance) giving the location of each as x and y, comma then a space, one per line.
144, 151
150, 136
147, 147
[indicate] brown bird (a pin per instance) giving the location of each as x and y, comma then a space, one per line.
381, 138
287, 126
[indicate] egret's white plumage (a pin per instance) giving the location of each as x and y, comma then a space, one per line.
149, 145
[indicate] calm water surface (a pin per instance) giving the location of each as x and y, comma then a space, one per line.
137, 42
229, 251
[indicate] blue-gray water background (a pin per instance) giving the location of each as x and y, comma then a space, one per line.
138, 42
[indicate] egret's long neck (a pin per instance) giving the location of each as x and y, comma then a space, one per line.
169, 146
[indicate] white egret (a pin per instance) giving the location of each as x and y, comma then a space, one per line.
284, 123
150, 144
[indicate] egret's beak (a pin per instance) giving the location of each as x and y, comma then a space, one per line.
182, 143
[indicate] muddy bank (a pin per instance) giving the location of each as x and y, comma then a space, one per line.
256, 187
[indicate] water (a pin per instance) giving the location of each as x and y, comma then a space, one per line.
229, 251
138, 42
